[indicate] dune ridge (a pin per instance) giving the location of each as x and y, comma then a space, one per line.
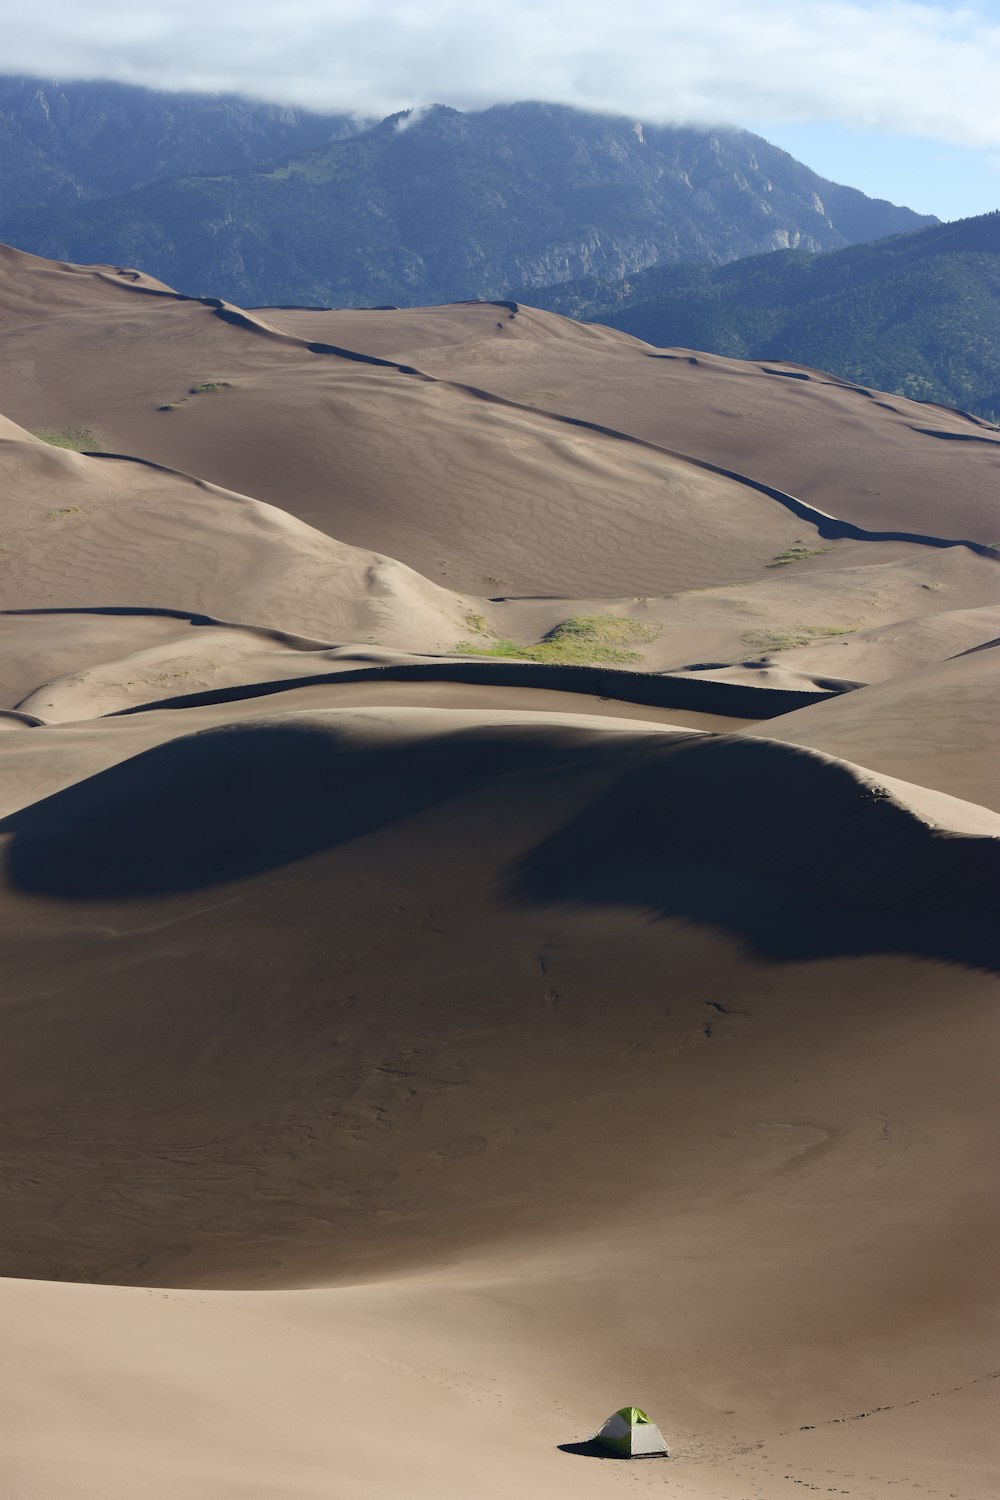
660, 690
221, 546
826, 525
927, 853
804, 440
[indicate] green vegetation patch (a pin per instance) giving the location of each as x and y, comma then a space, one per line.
787, 640
77, 439
209, 387
795, 553
583, 639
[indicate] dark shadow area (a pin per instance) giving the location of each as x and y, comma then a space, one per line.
142, 611
233, 802
983, 646
956, 437
364, 359
135, 610
651, 689
592, 1450
788, 851
735, 700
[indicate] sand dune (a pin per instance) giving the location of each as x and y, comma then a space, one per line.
95, 532
604, 515
34, 286
887, 651
885, 725
449, 482
410, 1102
411, 1052
878, 460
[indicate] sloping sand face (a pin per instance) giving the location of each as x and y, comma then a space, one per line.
884, 725
409, 1056
878, 460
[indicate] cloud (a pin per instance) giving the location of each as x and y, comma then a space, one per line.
411, 118
886, 65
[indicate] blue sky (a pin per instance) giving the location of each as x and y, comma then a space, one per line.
932, 177
897, 97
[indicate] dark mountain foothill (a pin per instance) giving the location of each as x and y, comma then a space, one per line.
916, 314
427, 206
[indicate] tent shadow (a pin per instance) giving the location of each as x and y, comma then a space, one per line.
590, 1449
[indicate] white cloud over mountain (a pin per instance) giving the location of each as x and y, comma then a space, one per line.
887, 65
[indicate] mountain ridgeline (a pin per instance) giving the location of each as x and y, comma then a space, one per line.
62, 144
429, 206
917, 314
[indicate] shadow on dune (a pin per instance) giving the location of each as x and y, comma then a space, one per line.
236, 801
792, 852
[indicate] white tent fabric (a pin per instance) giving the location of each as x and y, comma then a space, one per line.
630, 1433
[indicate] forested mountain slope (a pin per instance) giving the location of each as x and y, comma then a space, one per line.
437, 206
918, 313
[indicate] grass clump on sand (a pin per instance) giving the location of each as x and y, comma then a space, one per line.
66, 510
208, 387
787, 640
582, 639
77, 439
796, 553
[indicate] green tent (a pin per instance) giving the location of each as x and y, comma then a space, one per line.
629, 1433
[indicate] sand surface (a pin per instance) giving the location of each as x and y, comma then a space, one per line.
411, 1054
801, 430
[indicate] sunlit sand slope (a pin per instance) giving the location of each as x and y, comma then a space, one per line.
878, 460
91, 532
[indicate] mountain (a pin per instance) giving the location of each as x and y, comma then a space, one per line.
437, 206
61, 143
918, 314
